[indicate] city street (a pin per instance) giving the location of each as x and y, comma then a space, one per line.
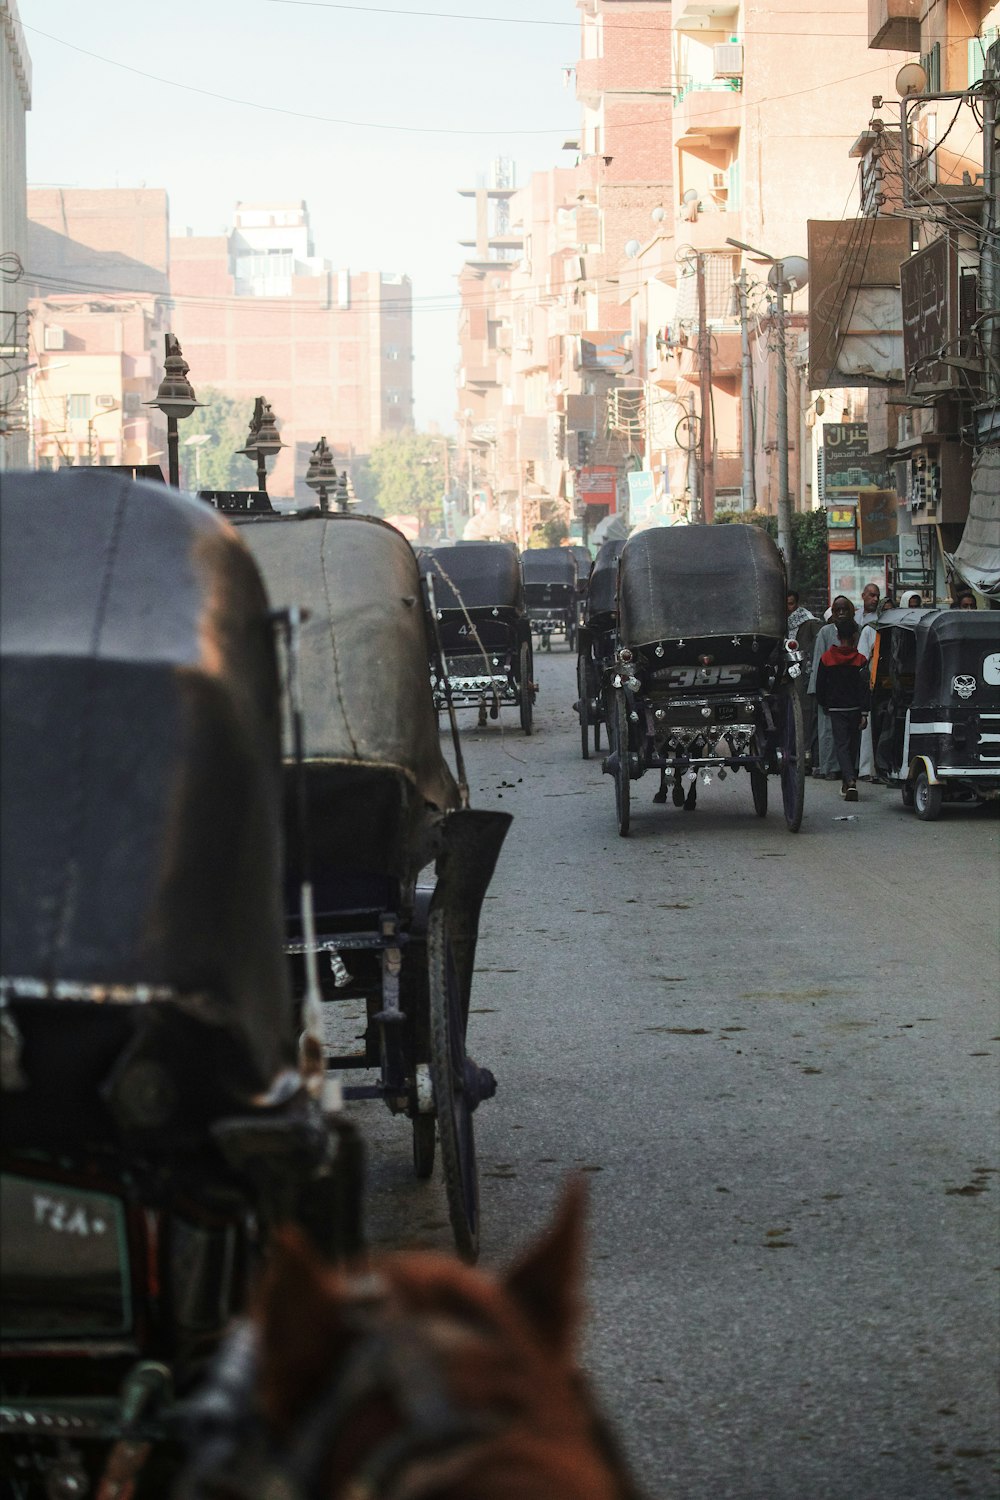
774, 1058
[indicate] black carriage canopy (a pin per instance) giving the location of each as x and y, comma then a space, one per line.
699, 582
140, 766
478, 575
949, 644
549, 565
602, 592
377, 781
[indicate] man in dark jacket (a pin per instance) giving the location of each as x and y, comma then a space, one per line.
842, 689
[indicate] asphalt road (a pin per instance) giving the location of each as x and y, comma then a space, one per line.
774, 1057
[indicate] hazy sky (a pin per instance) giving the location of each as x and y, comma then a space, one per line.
457, 92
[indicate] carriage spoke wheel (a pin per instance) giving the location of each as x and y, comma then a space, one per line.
793, 772
583, 692
423, 1145
758, 785
453, 1101
622, 789
524, 686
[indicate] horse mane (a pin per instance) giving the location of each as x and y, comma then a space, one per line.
506, 1345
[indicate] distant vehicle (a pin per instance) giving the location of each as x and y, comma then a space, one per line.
550, 592
702, 677
936, 706
596, 644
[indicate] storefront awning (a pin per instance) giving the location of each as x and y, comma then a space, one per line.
977, 557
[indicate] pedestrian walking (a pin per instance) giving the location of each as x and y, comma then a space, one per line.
804, 627
842, 690
841, 608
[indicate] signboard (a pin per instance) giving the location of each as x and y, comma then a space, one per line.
598, 485
640, 495
849, 572
929, 287
847, 464
841, 526
878, 515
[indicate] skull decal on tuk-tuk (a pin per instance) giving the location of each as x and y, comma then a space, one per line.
963, 685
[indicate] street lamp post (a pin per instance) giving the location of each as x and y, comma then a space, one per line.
321, 474
175, 398
262, 440
776, 278
197, 442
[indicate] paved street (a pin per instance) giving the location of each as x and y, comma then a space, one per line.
774, 1057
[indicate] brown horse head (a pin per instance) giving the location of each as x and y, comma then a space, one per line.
420, 1378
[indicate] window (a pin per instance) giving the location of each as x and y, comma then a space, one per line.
77, 408
391, 352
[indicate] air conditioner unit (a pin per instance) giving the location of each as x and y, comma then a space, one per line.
133, 401
573, 268
54, 338
104, 401
727, 60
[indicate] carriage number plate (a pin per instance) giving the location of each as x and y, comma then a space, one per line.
689, 677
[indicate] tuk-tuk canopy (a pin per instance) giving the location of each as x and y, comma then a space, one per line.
699, 581
478, 575
140, 765
364, 651
602, 592
549, 565
948, 643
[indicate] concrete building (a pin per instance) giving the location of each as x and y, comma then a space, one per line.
98, 278
910, 319
15, 101
258, 313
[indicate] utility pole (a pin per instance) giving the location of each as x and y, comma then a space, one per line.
707, 467
693, 464
989, 259
746, 399
784, 499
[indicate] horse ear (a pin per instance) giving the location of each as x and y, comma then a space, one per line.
545, 1282
298, 1317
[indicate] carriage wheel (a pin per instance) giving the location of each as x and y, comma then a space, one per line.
927, 798
597, 734
423, 1145
524, 683
793, 774
583, 689
758, 785
449, 1078
620, 744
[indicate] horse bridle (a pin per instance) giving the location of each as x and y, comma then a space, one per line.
392, 1357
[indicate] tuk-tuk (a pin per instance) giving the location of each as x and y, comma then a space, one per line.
596, 643
936, 706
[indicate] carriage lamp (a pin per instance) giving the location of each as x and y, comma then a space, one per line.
624, 654
706, 661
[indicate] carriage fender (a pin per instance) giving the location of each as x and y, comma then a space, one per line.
921, 763
471, 840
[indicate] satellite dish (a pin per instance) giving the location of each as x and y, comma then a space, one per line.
632, 248
796, 270
690, 196
658, 215
911, 79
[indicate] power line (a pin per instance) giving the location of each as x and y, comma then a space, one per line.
611, 25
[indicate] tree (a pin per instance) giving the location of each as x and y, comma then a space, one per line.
408, 476
217, 465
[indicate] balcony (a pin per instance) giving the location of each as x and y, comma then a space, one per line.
894, 25
706, 110
703, 15
710, 230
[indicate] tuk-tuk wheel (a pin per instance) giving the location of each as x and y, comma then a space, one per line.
926, 798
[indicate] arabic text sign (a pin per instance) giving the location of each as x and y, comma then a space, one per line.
929, 287
847, 464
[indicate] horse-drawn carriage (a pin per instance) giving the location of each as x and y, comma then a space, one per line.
701, 680
397, 862
936, 706
596, 643
481, 640
156, 1119
551, 577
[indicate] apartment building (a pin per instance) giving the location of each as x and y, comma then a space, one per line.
97, 274
910, 289
15, 101
259, 313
